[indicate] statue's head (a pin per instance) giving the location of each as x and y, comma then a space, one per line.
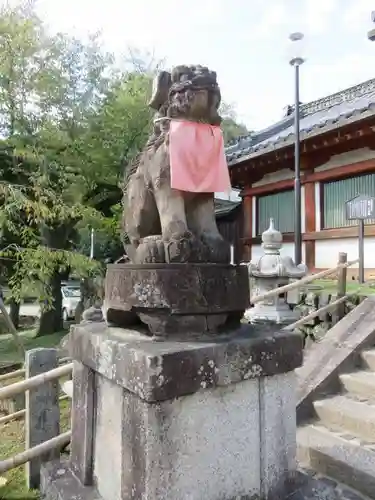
188, 92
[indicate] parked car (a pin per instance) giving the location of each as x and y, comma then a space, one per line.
71, 295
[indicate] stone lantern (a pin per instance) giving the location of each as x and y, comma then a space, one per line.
270, 271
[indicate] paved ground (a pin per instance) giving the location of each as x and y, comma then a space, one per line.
317, 487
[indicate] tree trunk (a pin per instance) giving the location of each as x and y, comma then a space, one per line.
51, 321
14, 312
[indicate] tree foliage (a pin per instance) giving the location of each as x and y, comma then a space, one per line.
232, 129
69, 122
118, 129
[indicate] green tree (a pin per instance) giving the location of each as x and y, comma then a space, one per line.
48, 88
117, 132
74, 123
19, 66
232, 129
119, 129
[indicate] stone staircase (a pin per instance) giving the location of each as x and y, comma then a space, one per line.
339, 441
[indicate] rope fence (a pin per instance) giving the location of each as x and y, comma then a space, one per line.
37, 451
21, 413
338, 304
35, 382
42, 411
304, 281
316, 313
22, 371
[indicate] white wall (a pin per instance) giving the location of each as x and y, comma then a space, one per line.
232, 196
287, 250
326, 251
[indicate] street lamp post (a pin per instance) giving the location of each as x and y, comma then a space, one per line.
296, 61
371, 33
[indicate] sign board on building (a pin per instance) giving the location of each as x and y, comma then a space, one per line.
360, 207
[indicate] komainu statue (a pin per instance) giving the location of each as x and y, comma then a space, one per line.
179, 282
165, 224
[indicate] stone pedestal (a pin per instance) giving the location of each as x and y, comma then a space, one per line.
274, 309
179, 420
186, 300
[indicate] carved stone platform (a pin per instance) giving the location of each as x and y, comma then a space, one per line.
176, 298
179, 420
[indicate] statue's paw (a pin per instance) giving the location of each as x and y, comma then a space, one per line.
93, 314
150, 251
185, 247
218, 249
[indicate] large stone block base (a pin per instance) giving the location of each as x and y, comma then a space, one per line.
176, 300
211, 420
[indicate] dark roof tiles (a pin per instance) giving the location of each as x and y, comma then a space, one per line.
317, 117
224, 207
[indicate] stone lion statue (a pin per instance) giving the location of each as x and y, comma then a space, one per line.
166, 225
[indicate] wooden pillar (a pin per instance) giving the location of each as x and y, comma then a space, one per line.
247, 206
42, 411
310, 223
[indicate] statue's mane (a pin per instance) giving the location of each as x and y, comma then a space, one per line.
171, 100
160, 126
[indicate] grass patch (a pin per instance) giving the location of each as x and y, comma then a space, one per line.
351, 287
13, 442
8, 348
12, 434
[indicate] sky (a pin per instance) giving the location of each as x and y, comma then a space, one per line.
244, 41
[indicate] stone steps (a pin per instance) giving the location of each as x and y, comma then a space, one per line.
331, 454
368, 359
340, 443
315, 486
341, 413
360, 384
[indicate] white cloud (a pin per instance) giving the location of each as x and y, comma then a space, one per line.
357, 15
318, 14
245, 41
351, 69
271, 18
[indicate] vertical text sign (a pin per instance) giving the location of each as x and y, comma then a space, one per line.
360, 208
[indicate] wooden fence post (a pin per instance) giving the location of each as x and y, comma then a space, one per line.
341, 285
42, 411
11, 327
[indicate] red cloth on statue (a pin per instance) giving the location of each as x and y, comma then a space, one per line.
197, 158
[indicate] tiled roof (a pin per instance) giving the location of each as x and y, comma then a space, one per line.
317, 117
224, 207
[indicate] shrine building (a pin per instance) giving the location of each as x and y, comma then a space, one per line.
337, 164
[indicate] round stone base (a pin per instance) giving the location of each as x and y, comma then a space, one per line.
173, 299
280, 314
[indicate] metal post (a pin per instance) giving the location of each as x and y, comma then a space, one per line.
297, 175
361, 245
